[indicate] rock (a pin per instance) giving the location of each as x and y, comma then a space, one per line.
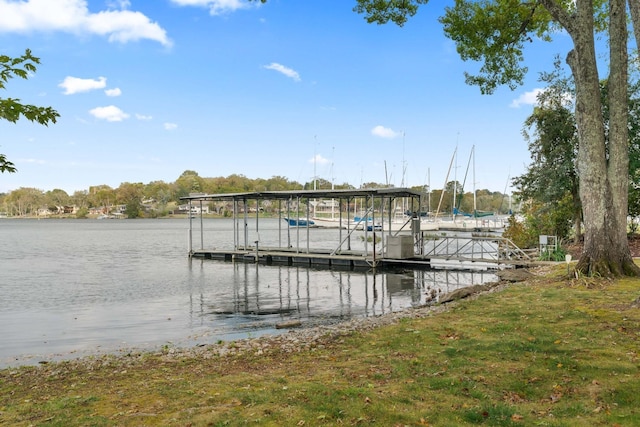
288, 324
464, 292
517, 275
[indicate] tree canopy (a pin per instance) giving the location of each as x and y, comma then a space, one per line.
12, 109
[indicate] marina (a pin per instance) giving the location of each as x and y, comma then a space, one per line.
375, 238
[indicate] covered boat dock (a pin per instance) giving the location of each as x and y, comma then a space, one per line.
372, 211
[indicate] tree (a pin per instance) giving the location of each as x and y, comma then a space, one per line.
80, 198
12, 109
102, 196
130, 194
24, 201
634, 143
634, 157
553, 145
57, 199
495, 33
552, 176
189, 182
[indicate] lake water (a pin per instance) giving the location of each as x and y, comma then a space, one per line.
70, 288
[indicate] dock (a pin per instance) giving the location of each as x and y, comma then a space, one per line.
388, 243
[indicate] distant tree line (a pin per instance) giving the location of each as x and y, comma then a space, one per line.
159, 198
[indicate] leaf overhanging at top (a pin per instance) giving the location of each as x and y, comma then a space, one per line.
495, 33
383, 11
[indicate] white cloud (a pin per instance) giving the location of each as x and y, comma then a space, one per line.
143, 117
110, 113
384, 132
73, 16
34, 161
284, 70
113, 92
73, 85
527, 98
218, 7
170, 126
531, 98
318, 159
119, 4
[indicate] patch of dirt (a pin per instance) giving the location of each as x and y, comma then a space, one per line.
576, 249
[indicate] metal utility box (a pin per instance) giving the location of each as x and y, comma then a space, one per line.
400, 247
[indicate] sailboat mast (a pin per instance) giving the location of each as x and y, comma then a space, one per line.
464, 181
473, 150
315, 159
429, 193
475, 210
445, 182
404, 172
333, 151
455, 184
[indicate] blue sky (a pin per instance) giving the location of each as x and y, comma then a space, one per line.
149, 89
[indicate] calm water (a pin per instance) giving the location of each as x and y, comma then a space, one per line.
70, 288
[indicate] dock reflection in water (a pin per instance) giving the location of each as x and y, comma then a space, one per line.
264, 296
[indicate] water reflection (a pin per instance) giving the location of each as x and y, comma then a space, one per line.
259, 297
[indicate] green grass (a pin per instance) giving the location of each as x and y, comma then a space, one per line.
547, 352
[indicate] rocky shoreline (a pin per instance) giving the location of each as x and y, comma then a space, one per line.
309, 338
297, 338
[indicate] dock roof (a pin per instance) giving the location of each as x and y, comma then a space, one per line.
307, 194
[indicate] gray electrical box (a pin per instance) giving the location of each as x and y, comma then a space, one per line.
400, 247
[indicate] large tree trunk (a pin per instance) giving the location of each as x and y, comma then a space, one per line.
577, 213
618, 170
634, 7
606, 251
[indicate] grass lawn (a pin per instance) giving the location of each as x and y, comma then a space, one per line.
549, 351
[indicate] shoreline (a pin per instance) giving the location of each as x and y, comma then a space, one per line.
294, 340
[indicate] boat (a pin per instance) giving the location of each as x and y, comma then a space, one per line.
374, 227
476, 213
295, 222
325, 214
329, 222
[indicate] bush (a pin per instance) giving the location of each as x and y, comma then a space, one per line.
555, 255
82, 213
518, 233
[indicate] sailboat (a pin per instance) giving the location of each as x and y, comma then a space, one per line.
295, 222
476, 213
326, 213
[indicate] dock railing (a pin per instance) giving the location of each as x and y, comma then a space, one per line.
494, 249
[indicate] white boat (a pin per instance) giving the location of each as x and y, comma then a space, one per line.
329, 222
295, 222
326, 214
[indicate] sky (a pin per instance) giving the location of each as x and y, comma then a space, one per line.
298, 89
